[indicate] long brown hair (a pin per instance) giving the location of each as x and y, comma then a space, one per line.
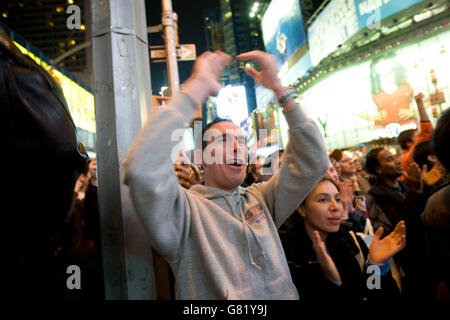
322, 180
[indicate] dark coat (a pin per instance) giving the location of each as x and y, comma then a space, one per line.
387, 206
436, 219
309, 279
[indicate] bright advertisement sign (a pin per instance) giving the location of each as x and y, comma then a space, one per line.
232, 104
332, 27
283, 30
376, 98
79, 100
371, 11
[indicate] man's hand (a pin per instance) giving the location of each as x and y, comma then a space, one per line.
414, 178
267, 77
204, 80
430, 178
329, 269
381, 250
418, 96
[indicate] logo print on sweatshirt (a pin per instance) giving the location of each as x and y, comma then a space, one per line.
254, 215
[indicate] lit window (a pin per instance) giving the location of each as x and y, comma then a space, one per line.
70, 1
228, 14
72, 42
5, 15
59, 9
82, 27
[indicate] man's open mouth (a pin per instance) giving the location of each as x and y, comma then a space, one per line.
235, 163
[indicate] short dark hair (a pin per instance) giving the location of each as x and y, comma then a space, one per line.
421, 152
404, 137
336, 154
209, 125
440, 139
371, 161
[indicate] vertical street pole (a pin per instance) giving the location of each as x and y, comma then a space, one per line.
169, 21
122, 102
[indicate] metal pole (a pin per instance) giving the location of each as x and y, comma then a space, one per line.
168, 22
122, 102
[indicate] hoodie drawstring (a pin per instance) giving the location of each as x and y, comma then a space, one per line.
252, 261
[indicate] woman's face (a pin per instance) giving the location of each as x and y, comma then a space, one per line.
322, 209
332, 173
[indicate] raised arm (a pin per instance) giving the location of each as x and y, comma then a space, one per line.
158, 199
305, 160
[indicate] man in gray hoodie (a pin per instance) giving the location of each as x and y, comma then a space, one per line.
220, 239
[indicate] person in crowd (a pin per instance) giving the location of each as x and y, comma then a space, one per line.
433, 171
336, 155
355, 211
336, 165
363, 182
389, 201
408, 139
188, 173
328, 263
85, 249
436, 216
332, 173
220, 239
345, 183
255, 172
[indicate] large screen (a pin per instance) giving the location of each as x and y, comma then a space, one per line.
375, 99
232, 104
369, 11
283, 30
332, 27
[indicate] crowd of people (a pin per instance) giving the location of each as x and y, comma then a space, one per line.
337, 215
324, 225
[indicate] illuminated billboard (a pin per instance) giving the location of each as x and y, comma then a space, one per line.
371, 11
375, 99
232, 104
283, 30
332, 27
79, 100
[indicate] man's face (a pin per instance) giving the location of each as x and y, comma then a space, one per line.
347, 166
358, 165
389, 165
225, 156
93, 168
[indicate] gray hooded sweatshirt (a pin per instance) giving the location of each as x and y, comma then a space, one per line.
221, 245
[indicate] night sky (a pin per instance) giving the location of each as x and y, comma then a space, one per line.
190, 30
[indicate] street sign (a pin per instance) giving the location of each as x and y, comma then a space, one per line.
185, 52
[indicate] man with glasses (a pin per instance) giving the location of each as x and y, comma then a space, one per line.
220, 239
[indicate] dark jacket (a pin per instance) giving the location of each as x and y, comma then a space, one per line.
436, 219
387, 206
309, 279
